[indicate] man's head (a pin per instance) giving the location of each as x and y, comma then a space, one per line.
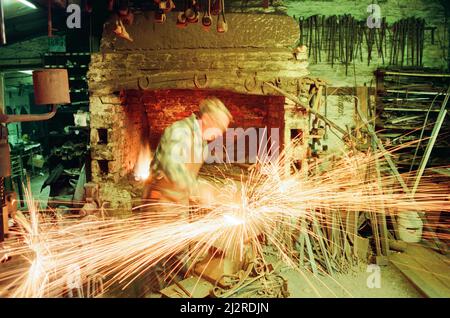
215, 118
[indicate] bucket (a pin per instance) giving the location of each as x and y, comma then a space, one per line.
51, 86
410, 227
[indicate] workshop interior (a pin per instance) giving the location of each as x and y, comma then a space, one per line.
320, 131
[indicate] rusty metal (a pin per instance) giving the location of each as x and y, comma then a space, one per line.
197, 82
222, 25
27, 118
51, 86
206, 20
49, 19
258, 280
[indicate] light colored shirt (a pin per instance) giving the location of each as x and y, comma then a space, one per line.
180, 149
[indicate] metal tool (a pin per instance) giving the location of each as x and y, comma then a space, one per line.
206, 19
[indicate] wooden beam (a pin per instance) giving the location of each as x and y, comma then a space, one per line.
239, 70
246, 30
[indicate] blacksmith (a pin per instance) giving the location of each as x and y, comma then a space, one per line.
181, 153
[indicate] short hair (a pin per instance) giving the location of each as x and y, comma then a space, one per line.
213, 106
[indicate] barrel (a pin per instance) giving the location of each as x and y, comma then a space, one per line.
51, 86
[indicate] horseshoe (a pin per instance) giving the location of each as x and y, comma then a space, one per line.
277, 82
197, 83
250, 83
143, 82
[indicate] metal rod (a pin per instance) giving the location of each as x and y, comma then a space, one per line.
416, 74
430, 145
310, 110
2, 24
383, 150
381, 216
49, 19
412, 92
442, 247
26, 118
424, 126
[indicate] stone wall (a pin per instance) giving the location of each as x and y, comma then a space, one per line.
256, 48
435, 55
139, 88
341, 107
34, 48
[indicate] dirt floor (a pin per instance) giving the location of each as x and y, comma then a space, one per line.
355, 284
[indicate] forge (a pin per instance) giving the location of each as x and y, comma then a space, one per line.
139, 88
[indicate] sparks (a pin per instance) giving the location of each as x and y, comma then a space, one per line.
274, 204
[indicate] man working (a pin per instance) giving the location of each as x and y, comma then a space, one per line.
180, 155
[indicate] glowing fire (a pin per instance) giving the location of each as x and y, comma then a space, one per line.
142, 167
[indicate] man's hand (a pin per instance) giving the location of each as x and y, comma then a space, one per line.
206, 194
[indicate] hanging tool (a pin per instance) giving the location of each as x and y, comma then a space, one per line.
2, 25
191, 11
181, 18
125, 14
216, 7
160, 16
121, 32
206, 19
111, 5
222, 25
49, 19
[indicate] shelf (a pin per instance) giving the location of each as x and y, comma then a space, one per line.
415, 93
66, 66
401, 127
422, 147
408, 110
68, 54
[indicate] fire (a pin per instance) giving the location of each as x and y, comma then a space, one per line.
142, 167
